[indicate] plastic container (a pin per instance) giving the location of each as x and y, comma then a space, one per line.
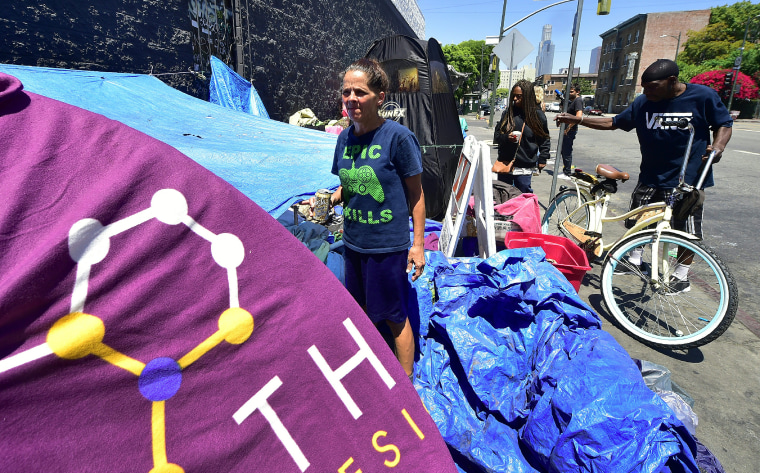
565, 255
502, 227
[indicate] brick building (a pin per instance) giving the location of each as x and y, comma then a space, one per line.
634, 44
550, 82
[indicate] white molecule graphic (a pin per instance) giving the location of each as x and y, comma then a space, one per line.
79, 334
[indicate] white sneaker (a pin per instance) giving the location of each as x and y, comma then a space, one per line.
564, 176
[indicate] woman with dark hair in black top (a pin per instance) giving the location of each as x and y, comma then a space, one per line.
523, 136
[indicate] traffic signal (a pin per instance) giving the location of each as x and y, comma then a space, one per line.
492, 65
603, 7
727, 79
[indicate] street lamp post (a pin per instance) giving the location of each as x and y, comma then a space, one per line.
480, 89
496, 67
738, 63
678, 44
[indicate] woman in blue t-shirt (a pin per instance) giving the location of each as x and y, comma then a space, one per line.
380, 165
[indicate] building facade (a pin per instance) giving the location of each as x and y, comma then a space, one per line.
552, 82
526, 72
630, 47
593, 63
293, 51
545, 57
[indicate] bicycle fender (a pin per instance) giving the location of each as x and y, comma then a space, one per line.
680, 233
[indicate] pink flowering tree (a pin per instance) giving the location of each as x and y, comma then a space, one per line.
747, 88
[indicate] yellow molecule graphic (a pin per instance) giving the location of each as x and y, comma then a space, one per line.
79, 334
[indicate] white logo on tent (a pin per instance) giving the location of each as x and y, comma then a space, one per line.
392, 111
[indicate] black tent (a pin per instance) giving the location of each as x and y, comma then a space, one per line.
422, 99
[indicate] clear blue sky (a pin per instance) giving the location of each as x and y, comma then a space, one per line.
452, 21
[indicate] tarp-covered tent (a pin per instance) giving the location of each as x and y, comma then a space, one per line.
268, 161
421, 98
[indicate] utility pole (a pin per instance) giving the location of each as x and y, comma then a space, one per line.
738, 63
480, 88
558, 154
496, 74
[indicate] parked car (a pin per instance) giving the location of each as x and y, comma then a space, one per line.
485, 109
552, 107
595, 111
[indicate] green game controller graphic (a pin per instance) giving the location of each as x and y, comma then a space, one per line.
362, 181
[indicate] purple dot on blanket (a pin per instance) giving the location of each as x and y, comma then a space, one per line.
160, 380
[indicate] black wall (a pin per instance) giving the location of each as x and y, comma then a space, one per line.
292, 50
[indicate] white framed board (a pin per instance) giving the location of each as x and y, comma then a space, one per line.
473, 175
483, 192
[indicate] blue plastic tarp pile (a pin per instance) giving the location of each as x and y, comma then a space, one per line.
519, 377
272, 163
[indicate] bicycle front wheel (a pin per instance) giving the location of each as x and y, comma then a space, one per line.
662, 310
557, 219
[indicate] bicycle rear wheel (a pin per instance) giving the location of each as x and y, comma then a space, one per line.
555, 221
651, 309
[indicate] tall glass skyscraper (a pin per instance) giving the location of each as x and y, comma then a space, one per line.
545, 58
593, 64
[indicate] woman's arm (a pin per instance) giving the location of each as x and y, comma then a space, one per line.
336, 196
416, 258
544, 145
498, 137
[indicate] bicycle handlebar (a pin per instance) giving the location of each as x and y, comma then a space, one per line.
680, 123
707, 165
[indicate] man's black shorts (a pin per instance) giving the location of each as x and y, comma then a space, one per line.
643, 195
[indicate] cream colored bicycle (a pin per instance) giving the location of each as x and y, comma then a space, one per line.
639, 284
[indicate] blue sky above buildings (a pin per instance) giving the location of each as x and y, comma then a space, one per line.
454, 21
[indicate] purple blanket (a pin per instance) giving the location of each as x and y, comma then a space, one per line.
146, 326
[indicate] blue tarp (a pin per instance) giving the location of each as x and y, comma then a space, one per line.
518, 375
272, 163
229, 89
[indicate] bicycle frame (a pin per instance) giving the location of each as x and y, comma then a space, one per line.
597, 207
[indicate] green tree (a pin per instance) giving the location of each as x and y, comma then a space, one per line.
717, 45
587, 88
466, 57
502, 93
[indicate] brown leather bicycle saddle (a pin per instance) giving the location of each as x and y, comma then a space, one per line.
605, 170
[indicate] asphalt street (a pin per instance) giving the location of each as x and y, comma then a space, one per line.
722, 377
